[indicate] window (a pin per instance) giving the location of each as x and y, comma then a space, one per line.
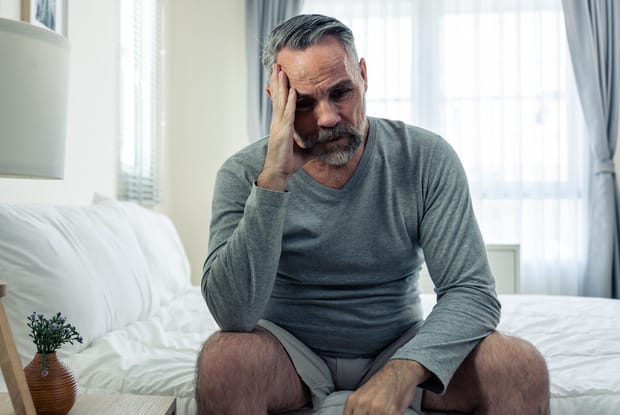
141, 111
494, 78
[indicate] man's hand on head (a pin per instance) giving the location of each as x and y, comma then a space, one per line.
390, 391
284, 155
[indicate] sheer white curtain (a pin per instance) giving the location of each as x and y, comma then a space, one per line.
494, 78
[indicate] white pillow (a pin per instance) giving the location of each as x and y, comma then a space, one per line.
161, 245
82, 261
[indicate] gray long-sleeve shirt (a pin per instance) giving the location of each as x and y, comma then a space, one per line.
339, 268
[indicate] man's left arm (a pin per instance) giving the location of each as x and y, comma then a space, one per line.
467, 308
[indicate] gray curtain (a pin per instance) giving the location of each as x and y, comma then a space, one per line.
593, 30
261, 17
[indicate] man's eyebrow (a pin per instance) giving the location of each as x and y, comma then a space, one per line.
345, 84
301, 96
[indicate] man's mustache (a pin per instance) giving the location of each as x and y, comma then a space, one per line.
328, 134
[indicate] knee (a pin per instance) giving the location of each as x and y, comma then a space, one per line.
527, 365
215, 361
208, 374
220, 355
222, 367
533, 377
522, 369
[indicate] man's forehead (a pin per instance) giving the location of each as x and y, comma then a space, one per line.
324, 63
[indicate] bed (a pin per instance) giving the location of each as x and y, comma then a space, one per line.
122, 276
579, 337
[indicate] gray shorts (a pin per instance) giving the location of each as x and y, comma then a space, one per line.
324, 375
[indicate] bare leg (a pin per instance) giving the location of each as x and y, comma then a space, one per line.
503, 375
247, 373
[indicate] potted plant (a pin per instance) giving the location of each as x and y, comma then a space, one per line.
52, 385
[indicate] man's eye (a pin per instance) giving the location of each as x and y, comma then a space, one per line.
303, 104
340, 94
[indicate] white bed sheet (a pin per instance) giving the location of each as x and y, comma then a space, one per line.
580, 338
152, 357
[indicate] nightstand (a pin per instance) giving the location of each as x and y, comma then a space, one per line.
96, 404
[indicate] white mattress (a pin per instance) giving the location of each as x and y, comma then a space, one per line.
580, 338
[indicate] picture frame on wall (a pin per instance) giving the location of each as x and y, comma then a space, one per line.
51, 14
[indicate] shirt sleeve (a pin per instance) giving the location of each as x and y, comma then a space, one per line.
467, 308
244, 249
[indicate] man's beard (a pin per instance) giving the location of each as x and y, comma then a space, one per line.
335, 154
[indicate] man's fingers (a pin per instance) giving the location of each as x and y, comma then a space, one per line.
290, 107
280, 90
275, 70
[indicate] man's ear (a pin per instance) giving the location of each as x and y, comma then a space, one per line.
268, 90
364, 73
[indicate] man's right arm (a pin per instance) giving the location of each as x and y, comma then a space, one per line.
248, 220
244, 249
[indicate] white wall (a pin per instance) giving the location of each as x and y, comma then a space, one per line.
91, 124
207, 110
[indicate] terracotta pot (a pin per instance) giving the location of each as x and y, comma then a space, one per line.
54, 389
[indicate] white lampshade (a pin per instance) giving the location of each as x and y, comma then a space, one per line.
34, 78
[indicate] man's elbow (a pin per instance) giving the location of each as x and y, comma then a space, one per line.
233, 323
230, 317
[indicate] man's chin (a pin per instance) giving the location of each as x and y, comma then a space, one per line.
339, 156
335, 159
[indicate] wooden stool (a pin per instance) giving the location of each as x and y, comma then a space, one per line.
11, 365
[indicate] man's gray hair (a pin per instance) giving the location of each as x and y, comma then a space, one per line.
303, 31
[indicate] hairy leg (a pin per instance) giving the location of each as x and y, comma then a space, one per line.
503, 375
247, 373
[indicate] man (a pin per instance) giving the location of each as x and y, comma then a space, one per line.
317, 237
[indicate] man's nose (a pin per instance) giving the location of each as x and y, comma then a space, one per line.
327, 114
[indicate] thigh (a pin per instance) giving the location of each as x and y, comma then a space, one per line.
499, 369
462, 393
251, 369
